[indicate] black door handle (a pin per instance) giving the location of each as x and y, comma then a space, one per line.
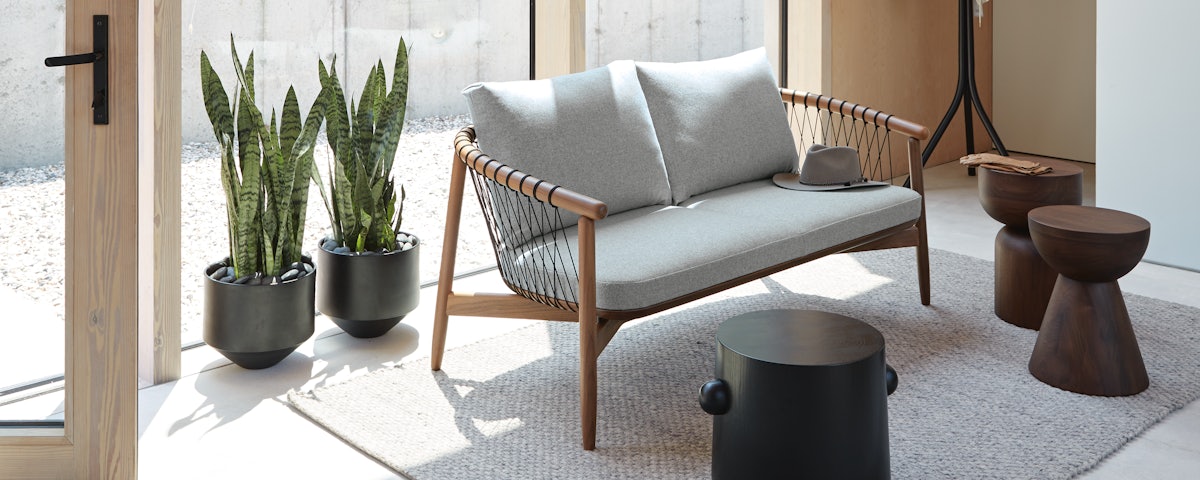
74, 59
99, 70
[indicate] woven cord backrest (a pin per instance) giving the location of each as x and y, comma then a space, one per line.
817, 119
536, 265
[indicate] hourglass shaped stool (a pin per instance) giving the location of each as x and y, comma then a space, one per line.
1086, 344
1023, 279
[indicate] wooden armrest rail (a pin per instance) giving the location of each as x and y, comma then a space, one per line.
866, 114
468, 152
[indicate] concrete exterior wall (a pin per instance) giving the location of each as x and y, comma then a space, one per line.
671, 30
32, 101
452, 44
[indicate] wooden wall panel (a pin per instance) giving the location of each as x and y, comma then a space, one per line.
559, 37
901, 57
159, 190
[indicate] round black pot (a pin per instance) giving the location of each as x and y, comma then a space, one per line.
367, 295
257, 326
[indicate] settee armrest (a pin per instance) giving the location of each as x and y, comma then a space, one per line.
467, 151
839, 122
854, 110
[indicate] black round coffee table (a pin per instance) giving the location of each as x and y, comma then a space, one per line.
799, 391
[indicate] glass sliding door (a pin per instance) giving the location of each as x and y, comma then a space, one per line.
32, 208
451, 45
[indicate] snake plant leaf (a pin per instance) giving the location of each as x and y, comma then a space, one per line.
364, 221
302, 150
343, 199
399, 211
289, 123
216, 102
393, 113
362, 196
270, 176
387, 208
315, 175
245, 76
364, 120
249, 223
337, 125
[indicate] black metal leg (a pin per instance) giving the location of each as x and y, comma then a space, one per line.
966, 93
974, 94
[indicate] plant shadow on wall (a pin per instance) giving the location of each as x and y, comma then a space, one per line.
370, 269
259, 301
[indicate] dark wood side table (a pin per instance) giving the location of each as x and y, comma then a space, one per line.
1023, 280
799, 393
1086, 343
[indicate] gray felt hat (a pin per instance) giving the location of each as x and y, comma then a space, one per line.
826, 168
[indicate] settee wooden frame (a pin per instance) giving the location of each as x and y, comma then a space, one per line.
597, 326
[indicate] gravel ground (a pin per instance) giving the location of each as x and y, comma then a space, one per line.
31, 210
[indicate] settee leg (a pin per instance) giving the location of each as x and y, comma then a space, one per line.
587, 382
923, 260
441, 315
589, 326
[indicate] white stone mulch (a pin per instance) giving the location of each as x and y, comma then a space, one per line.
31, 215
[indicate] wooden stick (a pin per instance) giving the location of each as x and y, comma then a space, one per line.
918, 185
458, 173
587, 331
868, 115
504, 305
528, 185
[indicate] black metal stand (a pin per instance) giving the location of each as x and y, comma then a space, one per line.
966, 91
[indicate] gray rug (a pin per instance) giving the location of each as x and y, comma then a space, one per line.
966, 407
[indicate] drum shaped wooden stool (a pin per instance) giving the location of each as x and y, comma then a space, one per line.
1023, 280
1086, 343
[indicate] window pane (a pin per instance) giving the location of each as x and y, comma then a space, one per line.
451, 45
671, 30
32, 208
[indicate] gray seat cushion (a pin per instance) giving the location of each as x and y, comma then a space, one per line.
589, 132
650, 255
720, 122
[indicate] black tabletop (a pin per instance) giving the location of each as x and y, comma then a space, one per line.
800, 337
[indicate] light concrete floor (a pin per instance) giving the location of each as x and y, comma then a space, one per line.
232, 423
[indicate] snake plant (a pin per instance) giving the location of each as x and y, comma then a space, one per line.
264, 169
362, 204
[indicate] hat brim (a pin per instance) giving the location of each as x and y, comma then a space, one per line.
791, 181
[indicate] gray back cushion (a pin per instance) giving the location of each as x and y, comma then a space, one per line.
720, 122
589, 132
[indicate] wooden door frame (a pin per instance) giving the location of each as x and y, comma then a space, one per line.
99, 439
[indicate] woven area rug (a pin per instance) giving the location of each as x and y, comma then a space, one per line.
507, 407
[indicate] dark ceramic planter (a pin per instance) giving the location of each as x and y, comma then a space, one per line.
257, 326
367, 295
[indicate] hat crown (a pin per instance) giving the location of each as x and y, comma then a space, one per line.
831, 166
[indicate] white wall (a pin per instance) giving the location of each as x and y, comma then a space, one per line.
1044, 77
1147, 93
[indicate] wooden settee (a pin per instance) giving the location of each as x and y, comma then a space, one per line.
568, 254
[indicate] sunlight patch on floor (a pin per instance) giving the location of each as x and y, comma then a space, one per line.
839, 277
